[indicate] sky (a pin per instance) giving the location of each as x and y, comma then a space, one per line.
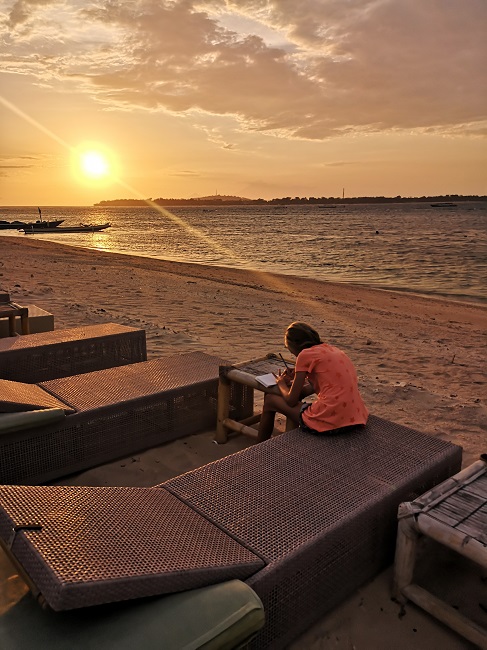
181, 99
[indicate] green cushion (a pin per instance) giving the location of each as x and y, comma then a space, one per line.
218, 617
10, 422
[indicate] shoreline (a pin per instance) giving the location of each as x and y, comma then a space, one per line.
457, 298
189, 266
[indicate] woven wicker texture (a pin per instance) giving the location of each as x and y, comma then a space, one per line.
124, 383
321, 510
121, 411
15, 396
48, 355
100, 545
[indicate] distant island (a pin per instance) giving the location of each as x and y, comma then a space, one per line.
218, 199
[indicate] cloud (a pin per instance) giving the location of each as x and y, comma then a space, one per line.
359, 66
8, 158
15, 166
183, 172
342, 163
16, 162
21, 10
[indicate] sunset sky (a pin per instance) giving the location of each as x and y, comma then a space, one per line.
180, 98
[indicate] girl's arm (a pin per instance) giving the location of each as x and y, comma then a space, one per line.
292, 394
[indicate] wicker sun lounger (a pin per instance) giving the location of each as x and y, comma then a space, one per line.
321, 511
110, 414
310, 518
49, 355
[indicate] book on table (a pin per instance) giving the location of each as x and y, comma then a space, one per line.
267, 380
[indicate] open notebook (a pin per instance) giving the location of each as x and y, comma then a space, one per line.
267, 380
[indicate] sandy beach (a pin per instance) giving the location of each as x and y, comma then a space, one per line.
420, 360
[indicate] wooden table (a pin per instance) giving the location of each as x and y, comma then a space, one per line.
11, 311
244, 373
454, 514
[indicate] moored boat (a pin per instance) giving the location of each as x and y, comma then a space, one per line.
20, 225
84, 227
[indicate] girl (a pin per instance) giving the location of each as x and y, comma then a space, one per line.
321, 369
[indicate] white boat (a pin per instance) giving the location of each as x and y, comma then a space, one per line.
84, 227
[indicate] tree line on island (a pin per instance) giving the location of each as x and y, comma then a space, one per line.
287, 200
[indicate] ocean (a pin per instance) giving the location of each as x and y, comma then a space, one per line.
402, 246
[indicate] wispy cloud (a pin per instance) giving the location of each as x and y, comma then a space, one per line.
9, 158
341, 163
315, 69
183, 172
15, 166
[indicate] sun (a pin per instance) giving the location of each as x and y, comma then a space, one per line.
94, 164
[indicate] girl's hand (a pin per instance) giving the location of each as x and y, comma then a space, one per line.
282, 378
289, 372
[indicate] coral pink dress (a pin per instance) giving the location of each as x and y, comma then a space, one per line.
334, 379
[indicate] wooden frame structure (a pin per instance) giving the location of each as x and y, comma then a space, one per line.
12, 311
245, 373
453, 514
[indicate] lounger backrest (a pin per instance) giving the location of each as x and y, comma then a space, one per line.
16, 396
84, 546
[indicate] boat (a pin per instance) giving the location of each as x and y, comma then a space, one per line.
444, 204
84, 227
20, 225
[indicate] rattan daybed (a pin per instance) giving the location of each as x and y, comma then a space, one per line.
110, 414
49, 355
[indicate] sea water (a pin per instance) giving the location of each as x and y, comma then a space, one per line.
401, 246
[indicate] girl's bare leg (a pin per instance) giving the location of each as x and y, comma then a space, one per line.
275, 404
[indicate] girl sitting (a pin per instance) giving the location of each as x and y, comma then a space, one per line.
322, 369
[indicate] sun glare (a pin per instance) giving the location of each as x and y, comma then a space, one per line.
94, 164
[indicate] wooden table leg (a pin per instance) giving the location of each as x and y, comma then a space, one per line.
406, 547
24, 323
223, 410
11, 326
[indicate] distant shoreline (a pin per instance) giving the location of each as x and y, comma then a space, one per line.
282, 202
325, 201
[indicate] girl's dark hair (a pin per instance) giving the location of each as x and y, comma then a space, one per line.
301, 336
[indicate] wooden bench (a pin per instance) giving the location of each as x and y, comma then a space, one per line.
245, 374
454, 514
39, 321
12, 311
